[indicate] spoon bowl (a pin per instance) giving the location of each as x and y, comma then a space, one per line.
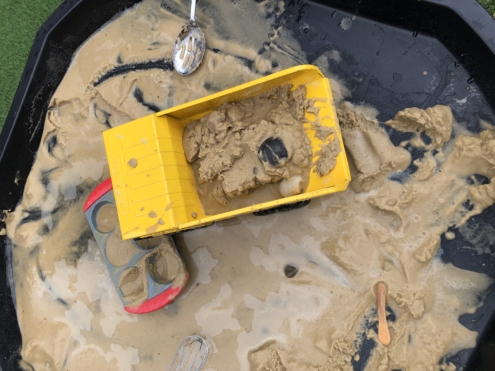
189, 47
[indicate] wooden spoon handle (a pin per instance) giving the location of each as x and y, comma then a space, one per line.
381, 301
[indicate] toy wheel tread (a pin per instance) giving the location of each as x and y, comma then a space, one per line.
282, 208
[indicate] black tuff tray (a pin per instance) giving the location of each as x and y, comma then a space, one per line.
388, 46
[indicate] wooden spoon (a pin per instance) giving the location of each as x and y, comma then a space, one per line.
381, 301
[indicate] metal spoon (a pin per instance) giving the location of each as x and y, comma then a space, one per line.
191, 355
189, 48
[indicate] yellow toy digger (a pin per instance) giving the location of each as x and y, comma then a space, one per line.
154, 189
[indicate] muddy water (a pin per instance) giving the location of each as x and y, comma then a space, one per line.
239, 296
241, 147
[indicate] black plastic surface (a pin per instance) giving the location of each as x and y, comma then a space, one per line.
282, 208
385, 54
273, 152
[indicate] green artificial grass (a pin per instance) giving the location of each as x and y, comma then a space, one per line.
489, 5
19, 21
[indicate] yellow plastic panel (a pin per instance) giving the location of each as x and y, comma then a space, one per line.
320, 90
153, 184
196, 109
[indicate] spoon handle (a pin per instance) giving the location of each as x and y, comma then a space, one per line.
193, 9
381, 297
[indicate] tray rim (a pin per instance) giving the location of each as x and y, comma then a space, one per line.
469, 11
